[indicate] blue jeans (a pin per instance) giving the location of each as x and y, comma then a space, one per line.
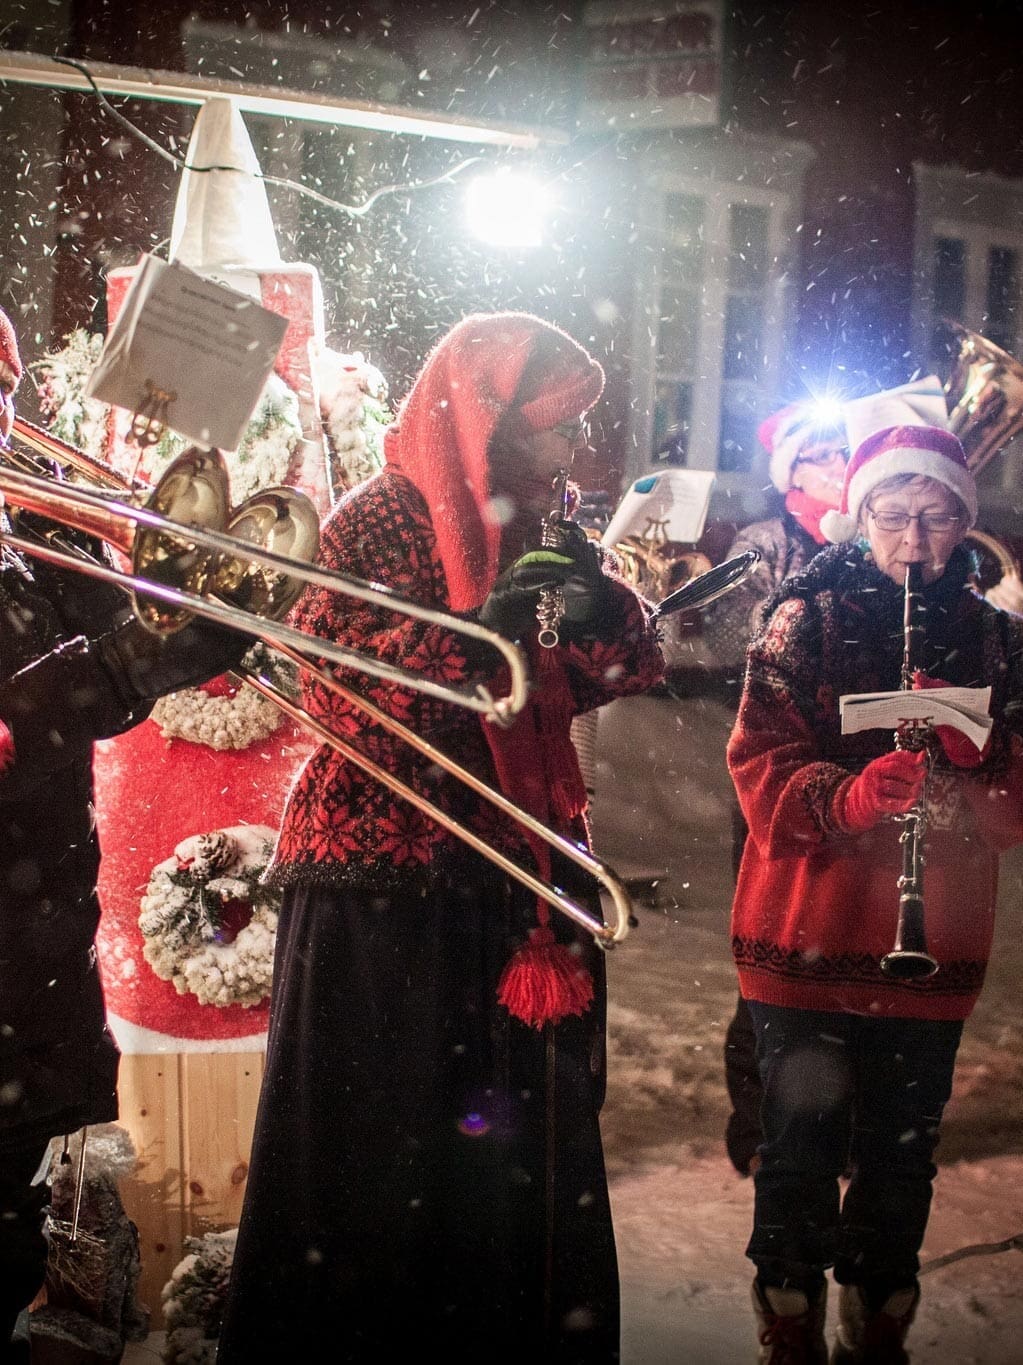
846, 1094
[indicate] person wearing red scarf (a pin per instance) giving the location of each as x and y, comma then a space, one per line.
427, 1175
806, 462
857, 1063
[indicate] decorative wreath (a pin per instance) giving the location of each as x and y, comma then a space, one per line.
194, 1298
225, 714
208, 924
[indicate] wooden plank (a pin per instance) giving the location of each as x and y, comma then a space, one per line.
149, 1089
220, 1091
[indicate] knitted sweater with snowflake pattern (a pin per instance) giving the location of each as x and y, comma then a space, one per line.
816, 907
342, 826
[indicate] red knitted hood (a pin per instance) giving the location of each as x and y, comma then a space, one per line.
491, 368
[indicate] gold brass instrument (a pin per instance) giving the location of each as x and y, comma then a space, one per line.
983, 395
167, 566
909, 959
984, 399
87, 510
68, 456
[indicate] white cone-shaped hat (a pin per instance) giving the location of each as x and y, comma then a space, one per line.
222, 217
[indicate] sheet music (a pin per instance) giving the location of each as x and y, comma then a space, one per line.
212, 347
964, 708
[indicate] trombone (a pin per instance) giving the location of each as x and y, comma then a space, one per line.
152, 536
96, 513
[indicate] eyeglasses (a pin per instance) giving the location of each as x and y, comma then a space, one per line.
929, 521
573, 431
820, 458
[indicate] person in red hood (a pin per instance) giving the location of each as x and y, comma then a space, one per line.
427, 1175
807, 454
75, 666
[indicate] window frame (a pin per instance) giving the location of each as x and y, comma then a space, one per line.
721, 173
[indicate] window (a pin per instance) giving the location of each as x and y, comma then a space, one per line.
967, 269
715, 309
968, 253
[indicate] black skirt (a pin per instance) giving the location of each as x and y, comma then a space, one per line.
427, 1172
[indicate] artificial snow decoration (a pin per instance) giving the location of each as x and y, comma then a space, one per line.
354, 396
194, 1296
92, 1279
68, 413
209, 926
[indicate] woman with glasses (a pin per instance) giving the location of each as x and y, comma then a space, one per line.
807, 452
856, 1066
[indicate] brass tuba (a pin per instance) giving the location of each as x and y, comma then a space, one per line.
984, 399
983, 395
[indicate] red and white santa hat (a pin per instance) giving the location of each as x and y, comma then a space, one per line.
10, 360
930, 452
788, 432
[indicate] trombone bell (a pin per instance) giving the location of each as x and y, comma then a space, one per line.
283, 521
193, 491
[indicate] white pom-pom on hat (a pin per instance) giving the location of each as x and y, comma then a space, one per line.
927, 452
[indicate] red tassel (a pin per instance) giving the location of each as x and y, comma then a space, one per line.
544, 981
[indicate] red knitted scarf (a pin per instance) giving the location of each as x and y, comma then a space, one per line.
808, 512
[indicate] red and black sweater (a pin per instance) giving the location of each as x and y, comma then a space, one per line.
341, 825
815, 907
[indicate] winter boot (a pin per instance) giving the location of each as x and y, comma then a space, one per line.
867, 1337
790, 1327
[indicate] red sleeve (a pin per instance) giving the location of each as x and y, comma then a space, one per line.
624, 659
997, 803
785, 788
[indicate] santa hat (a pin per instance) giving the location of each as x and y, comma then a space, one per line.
928, 452
10, 360
788, 432
511, 370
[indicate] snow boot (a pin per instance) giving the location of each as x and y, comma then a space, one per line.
867, 1337
790, 1327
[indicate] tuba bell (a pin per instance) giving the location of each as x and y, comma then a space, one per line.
984, 399
983, 395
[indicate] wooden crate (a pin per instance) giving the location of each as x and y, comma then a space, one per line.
191, 1117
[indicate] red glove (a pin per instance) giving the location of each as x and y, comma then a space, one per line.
960, 750
887, 786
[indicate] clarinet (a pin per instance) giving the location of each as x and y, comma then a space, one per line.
909, 959
550, 607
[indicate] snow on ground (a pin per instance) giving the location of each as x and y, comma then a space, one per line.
682, 1214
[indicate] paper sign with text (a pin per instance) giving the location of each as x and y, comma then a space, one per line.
208, 348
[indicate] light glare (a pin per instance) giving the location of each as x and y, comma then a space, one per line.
506, 208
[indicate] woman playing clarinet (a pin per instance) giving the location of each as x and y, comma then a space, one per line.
856, 1060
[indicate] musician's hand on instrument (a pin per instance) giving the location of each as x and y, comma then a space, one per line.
889, 785
586, 589
510, 609
146, 666
959, 749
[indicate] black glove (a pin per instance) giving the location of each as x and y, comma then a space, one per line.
145, 666
586, 590
573, 566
